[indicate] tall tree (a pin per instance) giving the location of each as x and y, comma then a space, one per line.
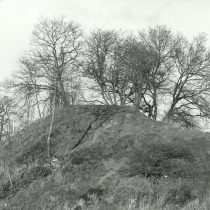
51, 64
190, 85
136, 62
101, 65
162, 44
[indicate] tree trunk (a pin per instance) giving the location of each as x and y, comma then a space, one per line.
168, 114
49, 152
39, 111
138, 98
6, 168
155, 105
104, 97
63, 94
1, 128
10, 180
109, 97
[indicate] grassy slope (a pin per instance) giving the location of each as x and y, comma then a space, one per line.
119, 155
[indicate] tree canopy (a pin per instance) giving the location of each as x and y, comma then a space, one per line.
159, 72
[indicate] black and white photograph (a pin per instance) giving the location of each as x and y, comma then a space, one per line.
104, 105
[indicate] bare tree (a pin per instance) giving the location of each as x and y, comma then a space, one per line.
190, 86
148, 70
130, 69
51, 64
6, 165
49, 137
7, 110
136, 63
162, 44
101, 65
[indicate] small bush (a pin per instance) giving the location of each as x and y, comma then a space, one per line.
78, 160
92, 195
35, 173
35, 152
159, 160
180, 196
5, 190
23, 181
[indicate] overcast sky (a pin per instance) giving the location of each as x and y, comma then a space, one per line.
17, 19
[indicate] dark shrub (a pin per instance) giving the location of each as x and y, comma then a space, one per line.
5, 190
157, 160
37, 151
87, 196
35, 173
78, 160
23, 181
180, 196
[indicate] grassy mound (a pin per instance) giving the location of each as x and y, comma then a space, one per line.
110, 157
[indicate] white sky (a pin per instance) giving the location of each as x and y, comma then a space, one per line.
17, 19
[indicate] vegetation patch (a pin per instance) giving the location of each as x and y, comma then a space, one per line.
180, 196
158, 160
7, 190
92, 195
36, 152
78, 160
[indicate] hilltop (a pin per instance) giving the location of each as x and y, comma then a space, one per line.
108, 157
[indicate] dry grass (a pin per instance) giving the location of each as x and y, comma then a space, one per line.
125, 162
147, 204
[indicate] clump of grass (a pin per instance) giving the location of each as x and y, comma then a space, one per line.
159, 160
148, 204
92, 195
7, 190
180, 196
34, 152
146, 193
78, 160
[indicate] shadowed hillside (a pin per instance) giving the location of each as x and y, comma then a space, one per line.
109, 157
